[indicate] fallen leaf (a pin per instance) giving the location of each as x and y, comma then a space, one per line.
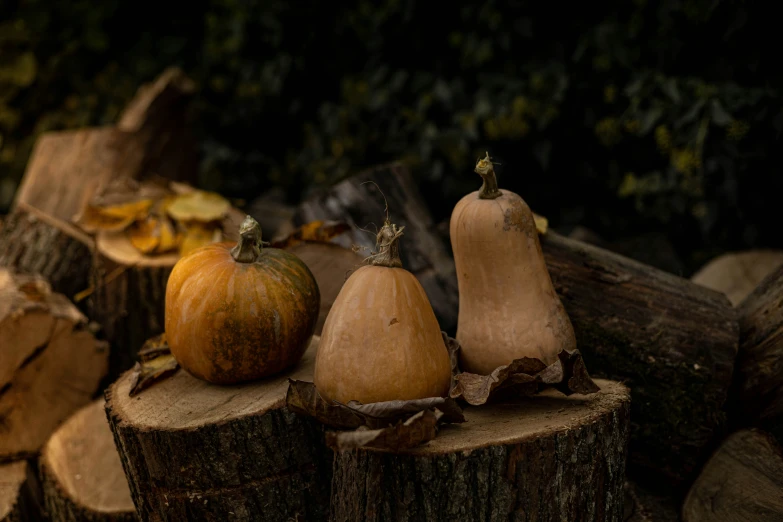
145, 235
522, 377
147, 373
169, 240
542, 223
154, 347
303, 398
313, 232
418, 429
112, 218
198, 235
198, 205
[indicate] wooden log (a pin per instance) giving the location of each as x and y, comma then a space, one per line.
737, 274
196, 451
50, 363
361, 204
644, 505
671, 341
34, 243
758, 390
18, 502
82, 476
545, 458
742, 482
331, 265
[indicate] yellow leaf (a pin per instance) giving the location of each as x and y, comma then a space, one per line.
168, 237
113, 218
145, 235
313, 232
198, 206
198, 235
542, 223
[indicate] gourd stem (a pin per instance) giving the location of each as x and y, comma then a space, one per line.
489, 189
248, 249
388, 240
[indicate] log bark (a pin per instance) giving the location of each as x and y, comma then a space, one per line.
545, 458
196, 451
743, 481
18, 502
362, 204
671, 341
33, 243
82, 476
50, 363
737, 274
758, 391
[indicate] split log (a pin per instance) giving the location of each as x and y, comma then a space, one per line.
196, 451
67, 168
545, 458
758, 397
81, 471
50, 363
361, 204
737, 274
17, 498
331, 265
671, 341
743, 481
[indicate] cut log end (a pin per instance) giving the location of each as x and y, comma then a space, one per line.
12, 479
742, 481
548, 457
82, 474
194, 450
50, 364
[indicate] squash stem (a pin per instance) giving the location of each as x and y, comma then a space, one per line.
248, 249
388, 244
489, 189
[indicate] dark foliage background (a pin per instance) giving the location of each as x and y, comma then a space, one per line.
630, 118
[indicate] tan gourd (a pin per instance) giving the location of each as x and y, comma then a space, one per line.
508, 307
381, 340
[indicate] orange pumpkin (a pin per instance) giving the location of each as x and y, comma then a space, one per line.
381, 340
238, 312
508, 308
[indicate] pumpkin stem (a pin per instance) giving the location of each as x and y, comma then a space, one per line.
388, 243
485, 169
248, 249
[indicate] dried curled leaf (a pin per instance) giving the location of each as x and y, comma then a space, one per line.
314, 232
198, 235
147, 373
418, 429
112, 218
303, 398
542, 223
154, 347
524, 376
145, 235
199, 205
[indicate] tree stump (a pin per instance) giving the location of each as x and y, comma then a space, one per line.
362, 204
548, 457
758, 397
742, 482
670, 340
196, 451
17, 501
81, 471
50, 363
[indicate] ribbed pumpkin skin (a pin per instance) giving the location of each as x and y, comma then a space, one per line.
229, 322
508, 307
381, 341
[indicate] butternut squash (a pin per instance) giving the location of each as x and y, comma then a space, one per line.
508, 308
381, 340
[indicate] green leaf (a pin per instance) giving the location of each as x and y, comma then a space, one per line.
649, 120
669, 87
719, 116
